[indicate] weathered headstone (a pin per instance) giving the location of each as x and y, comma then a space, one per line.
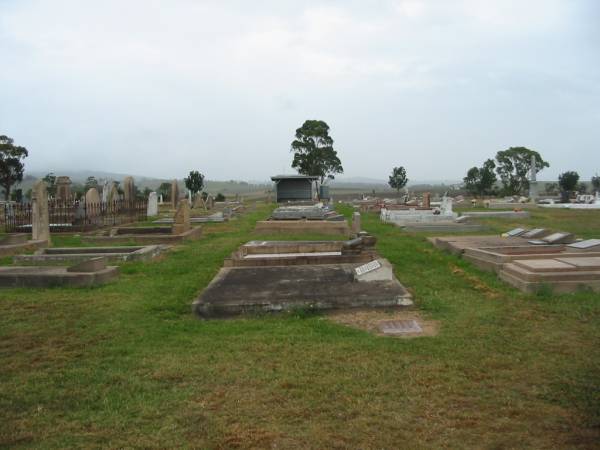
182, 218
210, 202
426, 200
152, 204
128, 189
114, 193
63, 188
105, 191
174, 194
92, 196
198, 201
40, 220
356, 223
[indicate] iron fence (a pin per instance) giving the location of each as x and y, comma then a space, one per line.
76, 215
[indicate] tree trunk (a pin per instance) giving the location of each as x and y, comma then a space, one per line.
7, 192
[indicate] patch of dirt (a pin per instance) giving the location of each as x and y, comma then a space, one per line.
370, 320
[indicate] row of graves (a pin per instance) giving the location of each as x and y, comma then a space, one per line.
440, 217
297, 218
532, 260
271, 276
90, 265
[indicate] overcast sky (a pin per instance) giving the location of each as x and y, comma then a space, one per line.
162, 87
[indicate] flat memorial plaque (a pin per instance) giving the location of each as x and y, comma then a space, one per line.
554, 237
400, 327
588, 243
516, 232
369, 267
533, 233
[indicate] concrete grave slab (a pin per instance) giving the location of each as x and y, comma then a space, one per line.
238, 290
516, 232
43, 277
58, 255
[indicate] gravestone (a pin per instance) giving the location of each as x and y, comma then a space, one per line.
426, 200
198, 201
210, 202
105, 191
63, 188
356, 223
446, 206
182, 218
399, 327
128, 189
174, 194
92, 197
113, 196
40, 220
152, 204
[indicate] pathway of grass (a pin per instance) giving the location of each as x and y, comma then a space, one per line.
127, 365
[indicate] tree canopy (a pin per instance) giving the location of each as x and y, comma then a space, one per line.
314, 153
568, 181
397, 179
514, 165
194, 181
11, 164
481, 180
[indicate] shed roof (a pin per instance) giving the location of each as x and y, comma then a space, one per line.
294, 177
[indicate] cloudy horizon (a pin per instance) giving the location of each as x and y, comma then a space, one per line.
160, 88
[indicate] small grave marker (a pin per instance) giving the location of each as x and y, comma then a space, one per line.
533, 233
588, 243
369, 267
400, 327
516, 232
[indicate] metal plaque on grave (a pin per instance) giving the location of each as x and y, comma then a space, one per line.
400, 327
369, 267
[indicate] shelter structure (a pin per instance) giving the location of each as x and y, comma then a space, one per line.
294, 188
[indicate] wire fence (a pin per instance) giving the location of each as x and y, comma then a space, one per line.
67, 215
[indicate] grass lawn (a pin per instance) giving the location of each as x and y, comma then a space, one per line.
127, 365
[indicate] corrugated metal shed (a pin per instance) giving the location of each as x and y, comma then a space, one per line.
294, 187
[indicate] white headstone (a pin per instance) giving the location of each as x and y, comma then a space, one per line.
152, 204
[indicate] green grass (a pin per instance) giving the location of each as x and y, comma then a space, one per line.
127, 365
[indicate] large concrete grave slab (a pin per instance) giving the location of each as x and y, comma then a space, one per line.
284, 253
444, 227
303, 226
57, 255
13, 244
458, 244
142, 236
562, 275
43, 276
237, 290
492, 258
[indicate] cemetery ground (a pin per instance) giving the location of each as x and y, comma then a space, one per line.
128, 365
